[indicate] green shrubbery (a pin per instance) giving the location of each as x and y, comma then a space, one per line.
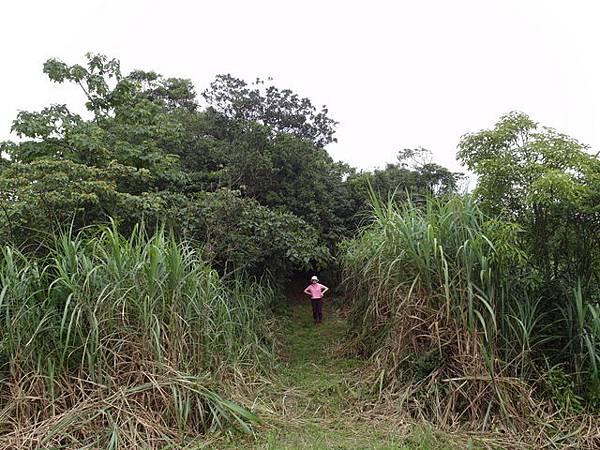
237, 234
148, 152
113, 339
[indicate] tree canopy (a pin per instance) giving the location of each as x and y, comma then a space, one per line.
544, 180
247, 177
281, 109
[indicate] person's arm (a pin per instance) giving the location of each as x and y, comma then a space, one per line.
306, 291
324, 289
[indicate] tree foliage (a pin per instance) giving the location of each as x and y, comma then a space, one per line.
146, 153
247, 178
413, 175
238, 234
280, 109
547, 182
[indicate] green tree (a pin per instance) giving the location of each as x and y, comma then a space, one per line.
281, 109
69, 170
148, 153
547, 182
238, 234
413, 174
287, 173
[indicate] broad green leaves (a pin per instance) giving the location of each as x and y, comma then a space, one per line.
93, 80
518, 163
544, 180
147, 152
238, 234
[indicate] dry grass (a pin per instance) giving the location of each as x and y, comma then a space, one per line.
114, 342
440, 308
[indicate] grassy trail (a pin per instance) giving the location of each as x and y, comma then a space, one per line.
314, 403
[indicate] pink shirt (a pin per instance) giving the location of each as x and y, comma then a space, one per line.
315, 290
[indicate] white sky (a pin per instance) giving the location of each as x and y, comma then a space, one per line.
395, 74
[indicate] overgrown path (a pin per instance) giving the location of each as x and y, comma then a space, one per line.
315, 401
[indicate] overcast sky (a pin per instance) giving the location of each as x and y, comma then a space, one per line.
395, 74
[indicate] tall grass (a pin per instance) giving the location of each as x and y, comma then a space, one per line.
581, 322
448, 309
123, 342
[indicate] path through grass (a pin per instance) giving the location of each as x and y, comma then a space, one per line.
315, 403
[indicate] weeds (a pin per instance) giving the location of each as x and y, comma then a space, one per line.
450, 313
124, 342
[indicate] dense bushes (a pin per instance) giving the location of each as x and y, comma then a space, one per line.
146, 151
237, 234
123, 342
147, 154
451, 311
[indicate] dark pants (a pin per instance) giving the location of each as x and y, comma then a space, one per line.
317, 308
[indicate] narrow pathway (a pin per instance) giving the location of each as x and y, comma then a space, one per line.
315, 401
315, 394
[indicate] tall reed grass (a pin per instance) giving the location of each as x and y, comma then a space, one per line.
124, 342
448, 308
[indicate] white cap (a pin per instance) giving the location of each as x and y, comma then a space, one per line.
314, 277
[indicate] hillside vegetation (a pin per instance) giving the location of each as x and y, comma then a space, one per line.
148, 236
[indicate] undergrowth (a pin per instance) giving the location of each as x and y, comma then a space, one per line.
452, 318
124, 342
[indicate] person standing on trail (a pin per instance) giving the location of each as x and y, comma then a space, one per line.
316, 291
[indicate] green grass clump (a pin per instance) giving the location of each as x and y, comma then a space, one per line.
124, 342
453, 318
